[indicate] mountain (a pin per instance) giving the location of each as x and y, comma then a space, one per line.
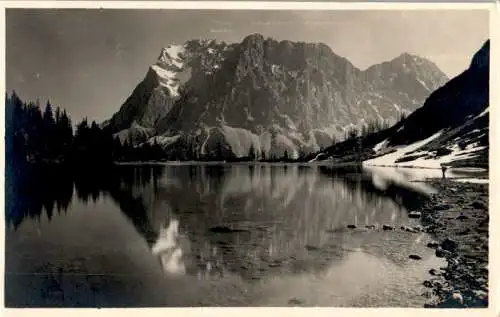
452, 127
206, 99
149, 102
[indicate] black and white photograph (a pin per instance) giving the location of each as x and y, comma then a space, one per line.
173, 157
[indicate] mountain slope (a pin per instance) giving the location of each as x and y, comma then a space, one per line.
268, 97
450, 128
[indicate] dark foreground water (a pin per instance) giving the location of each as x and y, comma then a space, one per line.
213, 235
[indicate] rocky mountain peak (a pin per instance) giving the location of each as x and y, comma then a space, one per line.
272, 96
171, 57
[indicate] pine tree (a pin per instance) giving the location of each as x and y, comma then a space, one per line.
126, 150
18, 112
67, 129
82, 130
48, 115
218, 153
300, 155
58, 116
35, 131
402, 116
157, 151
14, 129
33, 135
251, 153
117, 149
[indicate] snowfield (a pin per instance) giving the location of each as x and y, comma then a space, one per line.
473, 180
168, 79
163, 141
169, 65
380, 146
427, 159
172, 55
391, 158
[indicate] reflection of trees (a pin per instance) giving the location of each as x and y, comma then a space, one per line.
33, 190
284, 219
118, 183
30, 191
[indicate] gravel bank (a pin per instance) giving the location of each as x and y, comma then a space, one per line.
457, 217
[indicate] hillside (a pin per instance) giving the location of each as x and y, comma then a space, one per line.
452, 127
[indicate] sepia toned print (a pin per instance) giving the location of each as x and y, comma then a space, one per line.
187, 158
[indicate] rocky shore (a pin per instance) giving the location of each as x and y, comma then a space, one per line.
457, 217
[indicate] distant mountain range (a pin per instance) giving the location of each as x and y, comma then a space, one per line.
206, 99
451, 128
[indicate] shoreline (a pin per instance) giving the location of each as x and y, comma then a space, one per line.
277, 163
457, 217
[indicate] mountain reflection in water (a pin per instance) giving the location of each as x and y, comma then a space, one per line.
266, 226
167, 249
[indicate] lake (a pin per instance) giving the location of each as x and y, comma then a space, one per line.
215, 235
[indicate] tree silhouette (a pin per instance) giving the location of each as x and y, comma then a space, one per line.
157, 152
219, 152
66, 129
36, 137
251, 153
48, 115
263, 154
285, 156
48, 132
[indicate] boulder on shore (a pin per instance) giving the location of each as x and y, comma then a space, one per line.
449, 245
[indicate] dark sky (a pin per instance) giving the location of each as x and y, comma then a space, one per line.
89, 61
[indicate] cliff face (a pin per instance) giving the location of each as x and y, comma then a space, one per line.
266, 96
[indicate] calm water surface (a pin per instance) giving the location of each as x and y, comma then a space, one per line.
214, 235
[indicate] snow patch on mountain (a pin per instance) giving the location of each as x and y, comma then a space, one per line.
423, 83
428, 161
410, 156
472, 180
172, 55
285, 145
391, 158
207, 130
136, 133
163, 141
241, 140
169, 65
487, 110
167, 79
380, 146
